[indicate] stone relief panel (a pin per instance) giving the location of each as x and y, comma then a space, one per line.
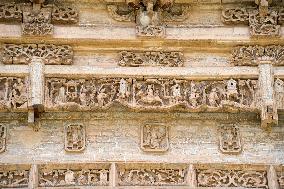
279, 93
50, 54
154, 137
249, 55
13, 93
14, 178
64, 15
73, 177
151, 176
151, 93
231, 178
75, 138
230, 140
10, 12
150, 58
3, 135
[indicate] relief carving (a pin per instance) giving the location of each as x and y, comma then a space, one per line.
151, 58
13, 93
75, 138
279, 93
64, 15
90, 94
230, 140
14, 179
10, 12
281, 181
231, 178
50, 54
152, 177
3, 135
249, 55
154, 138
70, 177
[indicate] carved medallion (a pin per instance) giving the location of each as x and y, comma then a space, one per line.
231, 178
14, 178
75, 138
154, 138
3, 135
230, 140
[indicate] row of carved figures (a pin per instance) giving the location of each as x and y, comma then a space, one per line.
144, 175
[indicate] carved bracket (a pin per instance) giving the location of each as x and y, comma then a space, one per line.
149, 16
37, 19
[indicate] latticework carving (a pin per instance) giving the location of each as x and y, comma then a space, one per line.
74, 177
3, 134
154, 137
88, 94
50, 54
64, 15
235, 16
14, 179
75, 138
13, 93
230, 140
10, 12
231, 178
250, 55
151, 58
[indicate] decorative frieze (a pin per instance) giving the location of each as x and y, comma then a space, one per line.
154, 137
16, 178
230, 140
149, 15
3, 135
75, 138
250, 55
13, 93
150, 58
151, 93
231, 178
49, 53
261, 23
147, 175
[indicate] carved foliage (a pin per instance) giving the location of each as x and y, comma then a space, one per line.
154, 137
10, 12
151, 93
231, 178
152, 177
3, 134
121, 12
13, 93
230, 141
14, 179
75, 138
50, 54
150, 31
167, 59
64, 15
249, 55
235, 16
70, 177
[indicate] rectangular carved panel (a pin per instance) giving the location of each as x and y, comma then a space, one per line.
50, 54
151, 58
75, 138
151, 175
14, 176
64, 15
10, 12
154, 137
279, 93
3, 135
231, 178
13, 93
230, 140
74, 175
151, 93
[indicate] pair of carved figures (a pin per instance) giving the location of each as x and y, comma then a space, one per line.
14, 179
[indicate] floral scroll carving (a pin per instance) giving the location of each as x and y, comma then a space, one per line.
3, 135
14, 179
154, 137
50, 54
151, 93
230, 141
167, 59
152, 176
231, 178
10, 12
75, 138
74, 177
13, 93
249, 55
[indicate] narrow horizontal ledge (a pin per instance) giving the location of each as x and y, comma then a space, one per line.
12, 70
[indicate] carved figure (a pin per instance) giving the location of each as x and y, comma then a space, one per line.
75, 138
3, 134
229, 140
14, 178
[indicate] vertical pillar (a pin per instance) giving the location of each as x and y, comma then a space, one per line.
268, 105
113, 175
191, 176
36, 91
272, 178
33, 177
